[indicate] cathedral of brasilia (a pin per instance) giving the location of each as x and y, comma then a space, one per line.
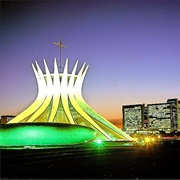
59, 114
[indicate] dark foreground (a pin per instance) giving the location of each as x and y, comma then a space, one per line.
160, 161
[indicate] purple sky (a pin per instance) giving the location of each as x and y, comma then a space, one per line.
132, 48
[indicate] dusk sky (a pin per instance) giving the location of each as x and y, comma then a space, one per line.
132, 48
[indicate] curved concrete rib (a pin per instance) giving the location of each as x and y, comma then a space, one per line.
48, 96
78, 108
56, 93
64, 93
93, 113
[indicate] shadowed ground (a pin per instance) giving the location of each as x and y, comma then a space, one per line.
92, 161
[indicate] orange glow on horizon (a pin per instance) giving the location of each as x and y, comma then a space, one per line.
116, 122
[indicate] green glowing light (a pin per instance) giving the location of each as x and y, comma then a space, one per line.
43, 134
99, 141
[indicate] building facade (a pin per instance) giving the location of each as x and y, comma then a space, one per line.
153, 117
133, 118
6, 118
179, 116
159, 117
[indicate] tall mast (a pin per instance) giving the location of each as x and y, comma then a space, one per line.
60, 51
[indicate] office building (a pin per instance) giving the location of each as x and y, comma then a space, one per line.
179, 116
153, 117
159, 117
174, 114
6, 118
133, 118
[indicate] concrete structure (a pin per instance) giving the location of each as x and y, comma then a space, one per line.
60, 100
173, 103
154, 117
179, 115
159, 117
6, 118
133, 117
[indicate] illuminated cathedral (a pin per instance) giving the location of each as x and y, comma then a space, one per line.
60, 100
59, 115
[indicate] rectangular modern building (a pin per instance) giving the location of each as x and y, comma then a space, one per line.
174, 114
179, 116
133, 118
159, 117
6, 118
154, 117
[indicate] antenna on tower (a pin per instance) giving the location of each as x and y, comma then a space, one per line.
60, 52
